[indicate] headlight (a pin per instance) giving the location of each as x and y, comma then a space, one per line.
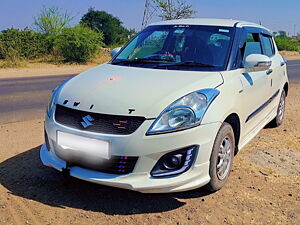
53, 97
51, 102
184, 113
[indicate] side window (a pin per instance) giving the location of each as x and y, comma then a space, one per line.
249, 44
252, 45
268, 46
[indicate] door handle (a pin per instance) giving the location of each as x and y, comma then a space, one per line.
269, 71
282, 63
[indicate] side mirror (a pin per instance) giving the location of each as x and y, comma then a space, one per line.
257, 62
114, 51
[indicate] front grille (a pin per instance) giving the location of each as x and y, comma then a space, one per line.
102, 123
115, 165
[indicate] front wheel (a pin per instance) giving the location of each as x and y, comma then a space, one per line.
221, 158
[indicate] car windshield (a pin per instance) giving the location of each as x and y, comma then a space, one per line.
184, 47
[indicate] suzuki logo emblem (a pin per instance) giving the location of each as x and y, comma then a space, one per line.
87, 121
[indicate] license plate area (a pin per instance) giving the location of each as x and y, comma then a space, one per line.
72, 146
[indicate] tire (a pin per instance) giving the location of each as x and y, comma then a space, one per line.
277, 121
220, 164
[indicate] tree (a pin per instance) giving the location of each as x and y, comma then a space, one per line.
174, 9
111, 27
282, 34
52, 20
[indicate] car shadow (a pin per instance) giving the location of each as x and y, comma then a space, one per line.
24, 175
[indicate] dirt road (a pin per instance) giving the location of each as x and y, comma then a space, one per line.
264, 187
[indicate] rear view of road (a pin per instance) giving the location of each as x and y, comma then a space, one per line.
26, 98
294, 70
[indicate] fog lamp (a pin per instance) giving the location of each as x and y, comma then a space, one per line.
174, 163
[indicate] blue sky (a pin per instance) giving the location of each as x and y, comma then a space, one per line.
274, 14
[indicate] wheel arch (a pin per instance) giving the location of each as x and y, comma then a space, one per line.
234, 121
286, 88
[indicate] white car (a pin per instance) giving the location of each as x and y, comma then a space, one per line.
171, 109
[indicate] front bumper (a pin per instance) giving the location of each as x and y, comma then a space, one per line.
149, 149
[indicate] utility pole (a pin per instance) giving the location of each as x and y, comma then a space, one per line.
149, 11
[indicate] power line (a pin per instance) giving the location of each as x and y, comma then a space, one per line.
149, 12
151, 8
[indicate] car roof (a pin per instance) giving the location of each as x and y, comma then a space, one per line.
210, 22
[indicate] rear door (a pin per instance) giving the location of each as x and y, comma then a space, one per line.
255, 85
276, 72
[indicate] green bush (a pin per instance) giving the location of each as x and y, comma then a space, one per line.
288, 44
22, 44
78, 44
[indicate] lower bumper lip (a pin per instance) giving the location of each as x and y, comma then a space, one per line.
140, 182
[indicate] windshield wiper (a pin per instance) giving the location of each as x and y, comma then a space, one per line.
186, 64
140, 60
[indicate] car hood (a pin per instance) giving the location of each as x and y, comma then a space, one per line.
114, 89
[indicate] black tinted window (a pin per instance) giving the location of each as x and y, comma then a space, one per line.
253, 45
173, 45
267, 45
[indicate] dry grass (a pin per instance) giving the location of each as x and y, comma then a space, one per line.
50, 60
290, 55
13, 63
47, 67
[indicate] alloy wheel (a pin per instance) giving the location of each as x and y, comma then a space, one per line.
224, 158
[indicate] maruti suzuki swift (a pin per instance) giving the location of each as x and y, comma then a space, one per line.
171, 109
